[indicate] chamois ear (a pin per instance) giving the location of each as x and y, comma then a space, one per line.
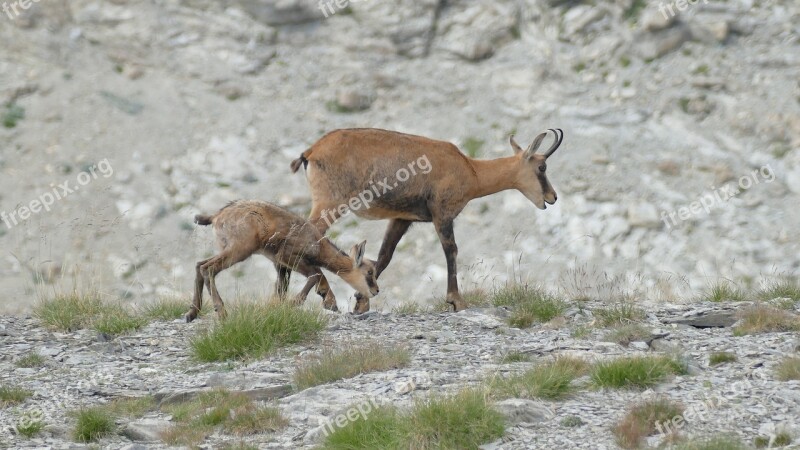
357, 253
514, 145
535, 145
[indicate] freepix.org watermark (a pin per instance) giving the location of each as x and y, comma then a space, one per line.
717, 197
58, 192
680, 5
12, 9
376, 189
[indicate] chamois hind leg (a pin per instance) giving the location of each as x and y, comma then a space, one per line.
197, 301
394, 232
217, 264
448, 240
315, 276
282, 283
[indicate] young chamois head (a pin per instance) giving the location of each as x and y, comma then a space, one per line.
362, 276
532, 176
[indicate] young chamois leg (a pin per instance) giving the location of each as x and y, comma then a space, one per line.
315, 275
197, 302
282, 283
227, 258
322, 217
394, 232
445, 230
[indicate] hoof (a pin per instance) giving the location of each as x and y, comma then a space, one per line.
362, 306
190, 316
458, 303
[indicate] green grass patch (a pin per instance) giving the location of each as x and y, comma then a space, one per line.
75, 311
465, 421
642, 419
10, 396
723, 291
784, 288
635, 371
765, 319
713, 443
350, 361
13, 113
788, 368
93, 424
132, 407
718, 358
515, 357
528, 305
167, 309
30, 361
253, 330
552, 380
29, 428
620, 313
232, 412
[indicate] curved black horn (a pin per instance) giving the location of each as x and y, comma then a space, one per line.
559, 135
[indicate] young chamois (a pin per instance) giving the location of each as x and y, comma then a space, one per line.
245, 227
344, 165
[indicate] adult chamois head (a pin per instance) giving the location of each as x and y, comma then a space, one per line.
379, 174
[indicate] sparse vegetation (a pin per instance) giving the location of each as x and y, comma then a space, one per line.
232, 412
75, 311
788, 368
411, 308
765, 319
129, 406
642, 419
713, 443
718, 358
350, 361
31, 360
626, 334
723, 291
621, 312
528, 305
635, 8
12, 396
572, 422
93, 424
635, 371
13, 113
254, 330
167, 308
464, 420
781, 439
514, 357
552, 380
784, 288
30, 428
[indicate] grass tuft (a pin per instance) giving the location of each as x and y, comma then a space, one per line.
620, 313
788, 368
515, 357
167, 309
718, 358
464, 420
528, 305
723, 291
635, 371
75, 311
643, 419
30, 428
765, 319
231, 411
784, 288
93, 424
713, 443
10, 396
254, 330
31, 360
552, 380
349, 362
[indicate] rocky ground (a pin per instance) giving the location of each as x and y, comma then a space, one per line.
196, 102
449, 351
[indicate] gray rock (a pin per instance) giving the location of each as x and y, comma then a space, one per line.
148, 430
517, 410
282, 12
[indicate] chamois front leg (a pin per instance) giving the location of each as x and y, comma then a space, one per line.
448, 239
394, 232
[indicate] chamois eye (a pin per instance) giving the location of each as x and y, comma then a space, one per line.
370, 273
542, 168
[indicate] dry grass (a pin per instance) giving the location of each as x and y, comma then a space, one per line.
718, 358
788, 368
10, 396
626, 334
765, 319
619, 313
31, 360
528, 305
642, 419
352, 360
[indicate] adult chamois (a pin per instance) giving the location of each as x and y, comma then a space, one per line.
345, 166
245, 227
